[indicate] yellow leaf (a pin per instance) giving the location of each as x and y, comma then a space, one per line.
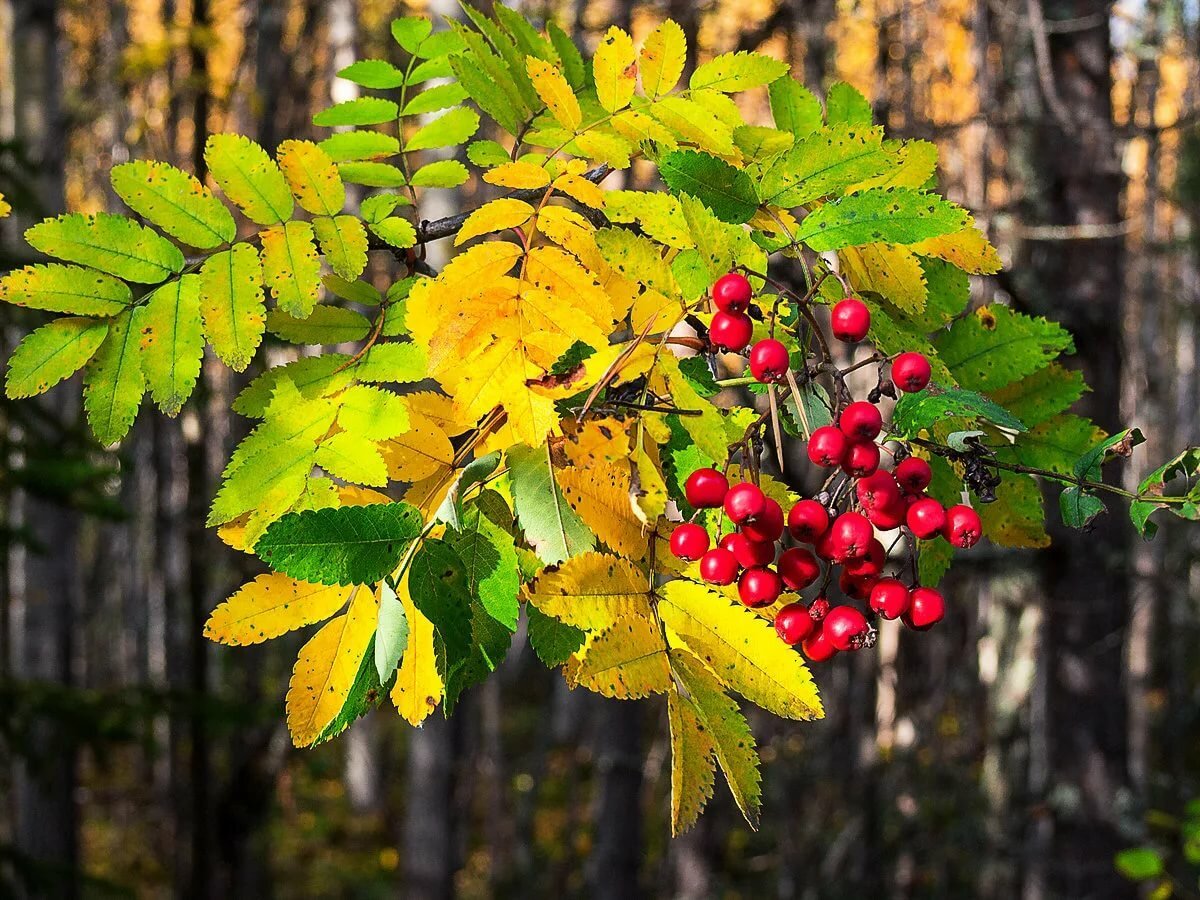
740, 648
552, 87
604, 148
428, 493
652, 311
890, 270
693, 772
649, 486
417, 453
5, 207
640, 128
312, 176
519, 175
611, 70
271, 605
494, 216
572, 232
326, 668
694, 122
579, 188
353, 495
706, 429
601, 494
598, 441
554, 270
592, 591
968, 249
418, 688
918, 163
439, 409
662, 59
627, 661
463, 277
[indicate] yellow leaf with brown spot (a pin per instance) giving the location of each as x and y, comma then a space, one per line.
272, 605
602, 495
662, 59
419, 452
555, 92
592, 591
627, 661
494, 216
890, 270
524, 176
968, 249
579, 188
418, 688
612, 70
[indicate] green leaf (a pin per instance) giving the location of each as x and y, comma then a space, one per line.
395, 231
1078, 506
343, 240
312, 176
484, 543
352, 291
488, 82
845, 104
891, 215
1042, 395
919, 412
487, 154
439, 97
174, 201
371, 174
231, 304
373, 73
51, 353
794, 107
112, 244
1139, 863
411, 31
737, 72
291, 267
759, 144
996, 346
448, 130
309, 375
727, 191
438, 585
445, 173
352, 458
1119, 444
393, 362
551, 527
172, 342
70, 289
1055, 444
475, 472
636, 258
1186, 465
359, 111
249, 177
391, 633
572, 60
325, 325
553, 641
114, 383
373, 413
355, 145
824, 162
341, 545
933, 561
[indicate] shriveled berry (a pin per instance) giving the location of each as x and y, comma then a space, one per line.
850, 535
732, 292
759, 587
889, 598
850, 320
706, 488
818, 609
913, 474
748, 553
793, 623
730, 331
743, 502
769, 361
911, 372
689, 541
827, 447
861, 421
877, 491
925, 518
767, 526
861, 459
807, 520
817, 647
719, 566
845, 628
798, 568
963, 526
926, 607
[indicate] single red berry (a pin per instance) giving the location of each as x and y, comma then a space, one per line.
719, 566
925, 518
889, 598
817, 647
807, 520
706, 488
730, 331
861, 421
818, 609
871, 564
689, 541
767, 526
913, 474
888, 517
793, 623
926, 607
877, 491
827, 446
798, 568
732, 293
861, 459
845, 627
850, 320
743, 502
856, 587
759, 587
963, 526
748, 553
910, 372
850, 535
769, 361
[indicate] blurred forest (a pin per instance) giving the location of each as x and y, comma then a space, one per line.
1050, 722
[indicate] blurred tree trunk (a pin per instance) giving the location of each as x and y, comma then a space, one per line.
614, 866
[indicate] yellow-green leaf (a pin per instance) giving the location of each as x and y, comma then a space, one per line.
352, 458
291, 267
114, 383
172, 342
344, 243
112, 244
51, 353
175, 201
249, 177
312, 176
231, 304
69, 289
662, 59
737, 72
325, 325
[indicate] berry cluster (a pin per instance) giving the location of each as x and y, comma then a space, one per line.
835, 532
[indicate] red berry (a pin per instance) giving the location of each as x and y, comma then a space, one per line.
807, 521
850, 320
818, 609
926, 607
689, 541
850, 536
769, 361
730, 331
845, 627
910, 372
861, 421
706, 488
719, 566
861, 459
732, 293
827, 446
759, 587
889, 598
889, 517
817, 647
877, 491
913, 474
925, 518
767, 526
793, 623
798, 568
963, 526
748, 553
856, 587
871, 564
743, 502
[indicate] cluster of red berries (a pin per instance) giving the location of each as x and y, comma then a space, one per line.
751, 553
